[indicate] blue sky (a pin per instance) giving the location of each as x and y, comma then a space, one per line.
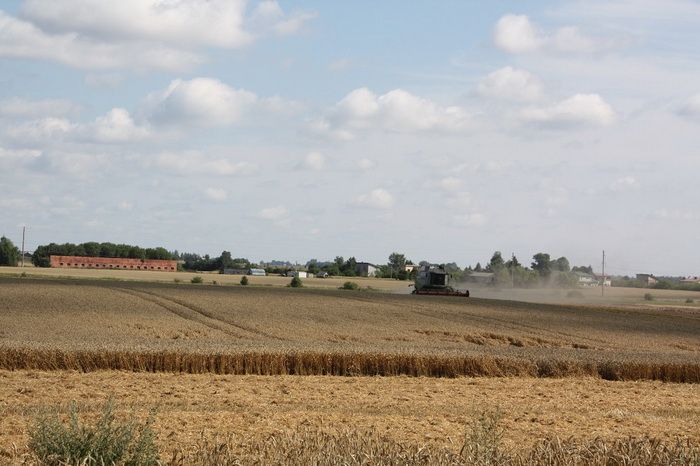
297, 130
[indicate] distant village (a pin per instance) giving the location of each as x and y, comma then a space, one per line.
543, 271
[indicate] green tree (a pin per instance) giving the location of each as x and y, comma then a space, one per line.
477, 267
349, 268
9, 254
583, 269
397, 263
496, 264
312, 266
561, 264
513, 262
542, 264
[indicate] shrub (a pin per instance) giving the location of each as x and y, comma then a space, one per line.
574, 294
177, 280
244, 280
350, 286
648, 297
689, 301
214, 282
108, 441
197, 279
296, 282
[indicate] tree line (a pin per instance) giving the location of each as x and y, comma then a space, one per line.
41, 256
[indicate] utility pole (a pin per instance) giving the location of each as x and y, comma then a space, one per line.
512, 266
602, 287
23, 230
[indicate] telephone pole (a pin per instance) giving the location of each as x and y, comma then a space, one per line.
23, 230
602, 287
512, 266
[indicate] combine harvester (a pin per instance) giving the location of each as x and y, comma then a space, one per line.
435, 281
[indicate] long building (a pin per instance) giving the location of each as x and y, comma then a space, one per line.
78, 262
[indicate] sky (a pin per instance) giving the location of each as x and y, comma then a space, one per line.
297, 130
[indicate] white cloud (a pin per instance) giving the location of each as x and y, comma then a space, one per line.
625, 183
191, 163
42, 130
218, 23
141, 34
315, 161
459, 200
19, 154
366, 164
511, 83
116, 126
21, 39
125, 205
377, 199
474, 219
268, 15
450, 183
691, 108
216, 194
278, 213
396, 110
22, 108
200, 101
580, 109
517, 34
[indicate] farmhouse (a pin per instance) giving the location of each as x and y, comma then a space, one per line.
586, 279
78, 262
365, 269
297, 273
690, 280
646, 278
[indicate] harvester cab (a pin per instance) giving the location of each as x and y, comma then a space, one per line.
433, 280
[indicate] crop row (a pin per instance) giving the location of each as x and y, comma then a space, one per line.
340, 364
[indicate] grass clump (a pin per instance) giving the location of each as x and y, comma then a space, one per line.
244, 280
107, 442
350, 286
197, 279
648, 297
296, 282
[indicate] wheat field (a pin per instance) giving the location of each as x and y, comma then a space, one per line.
223, 363
93, 325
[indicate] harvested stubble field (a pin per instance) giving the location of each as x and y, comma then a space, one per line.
95, 325
412, 411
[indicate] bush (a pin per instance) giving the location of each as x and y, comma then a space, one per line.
574, 294
177, 280
197, 279
689, 301
244, 280
648, 297
214, 282
350, 286
108, 441
296, 282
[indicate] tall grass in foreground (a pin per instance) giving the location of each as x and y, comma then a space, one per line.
55, 441
340, 364
58, 442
